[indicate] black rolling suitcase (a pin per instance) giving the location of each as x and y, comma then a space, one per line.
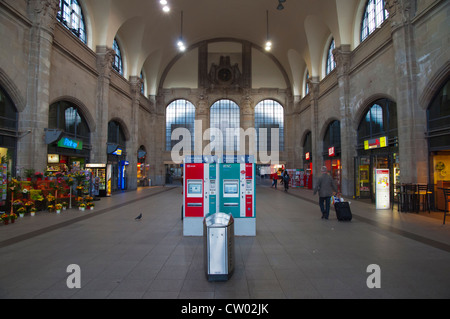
343, 211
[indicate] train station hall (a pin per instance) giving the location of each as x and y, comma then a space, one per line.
224, 155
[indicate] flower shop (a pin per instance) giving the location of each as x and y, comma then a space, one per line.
44, 193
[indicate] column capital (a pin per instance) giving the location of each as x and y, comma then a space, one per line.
105, 57
399, 12
43, 13
342, 56
135, 86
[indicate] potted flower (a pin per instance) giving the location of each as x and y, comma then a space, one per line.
5, 218
50, 208
33, 211
21, 211
64, 205
28, 205
58, 208
25, 193
13, 217
90, 205
82, 206
29, 173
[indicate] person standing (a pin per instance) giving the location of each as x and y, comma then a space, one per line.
326, 188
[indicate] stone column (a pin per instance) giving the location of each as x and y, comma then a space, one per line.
160, 141
132, 144
201, 114
32, 147
342, 56
99, 138
413, 149
316, 149
248, 122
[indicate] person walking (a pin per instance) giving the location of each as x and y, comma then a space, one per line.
286, 179
274, 179
326, 188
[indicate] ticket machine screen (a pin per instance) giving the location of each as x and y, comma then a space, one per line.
231, 188
194, 188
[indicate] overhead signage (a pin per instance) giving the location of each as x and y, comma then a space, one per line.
331, 151
375, 143
70, 143
117, 152
308, 156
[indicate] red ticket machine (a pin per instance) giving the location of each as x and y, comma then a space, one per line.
199, 193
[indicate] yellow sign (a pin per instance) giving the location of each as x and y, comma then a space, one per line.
376, 143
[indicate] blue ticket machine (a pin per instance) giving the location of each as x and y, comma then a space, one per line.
237, 192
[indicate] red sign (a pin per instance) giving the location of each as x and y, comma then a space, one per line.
331, 151
307, 156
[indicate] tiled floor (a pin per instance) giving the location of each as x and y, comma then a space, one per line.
295, 253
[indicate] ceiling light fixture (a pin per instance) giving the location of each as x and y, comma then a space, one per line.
268, 42
165, 5
280, 5
180, 43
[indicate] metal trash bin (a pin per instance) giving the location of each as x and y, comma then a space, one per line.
218, 234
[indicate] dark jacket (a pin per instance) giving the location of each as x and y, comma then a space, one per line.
325, 186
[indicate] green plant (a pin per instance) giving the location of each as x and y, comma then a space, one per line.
29, 173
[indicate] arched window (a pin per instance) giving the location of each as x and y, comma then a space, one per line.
179, 114
66, 117
117, 63
142, 85
331, 64
306, 83
269, 114
225, 116
438, 114
8, 132
332, 137
71, 16
374, 15
380, 119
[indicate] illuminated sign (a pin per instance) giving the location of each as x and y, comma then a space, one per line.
117, 152
331, 151
375, 143
308, 156
70, 143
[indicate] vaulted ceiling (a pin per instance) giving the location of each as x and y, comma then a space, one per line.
147, 35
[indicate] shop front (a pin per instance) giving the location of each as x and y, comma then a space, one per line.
438, 135
377, 148
116, 168
307, 174
366, 165
67, 138
64, 156
332, 152
8, 142
142, 168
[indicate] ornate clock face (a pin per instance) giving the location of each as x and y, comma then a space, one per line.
224, 75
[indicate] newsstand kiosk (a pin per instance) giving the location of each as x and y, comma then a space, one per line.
199, 194
237, 192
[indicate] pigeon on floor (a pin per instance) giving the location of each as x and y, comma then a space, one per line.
139, 217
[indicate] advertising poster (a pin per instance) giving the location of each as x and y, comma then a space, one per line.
382, 189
